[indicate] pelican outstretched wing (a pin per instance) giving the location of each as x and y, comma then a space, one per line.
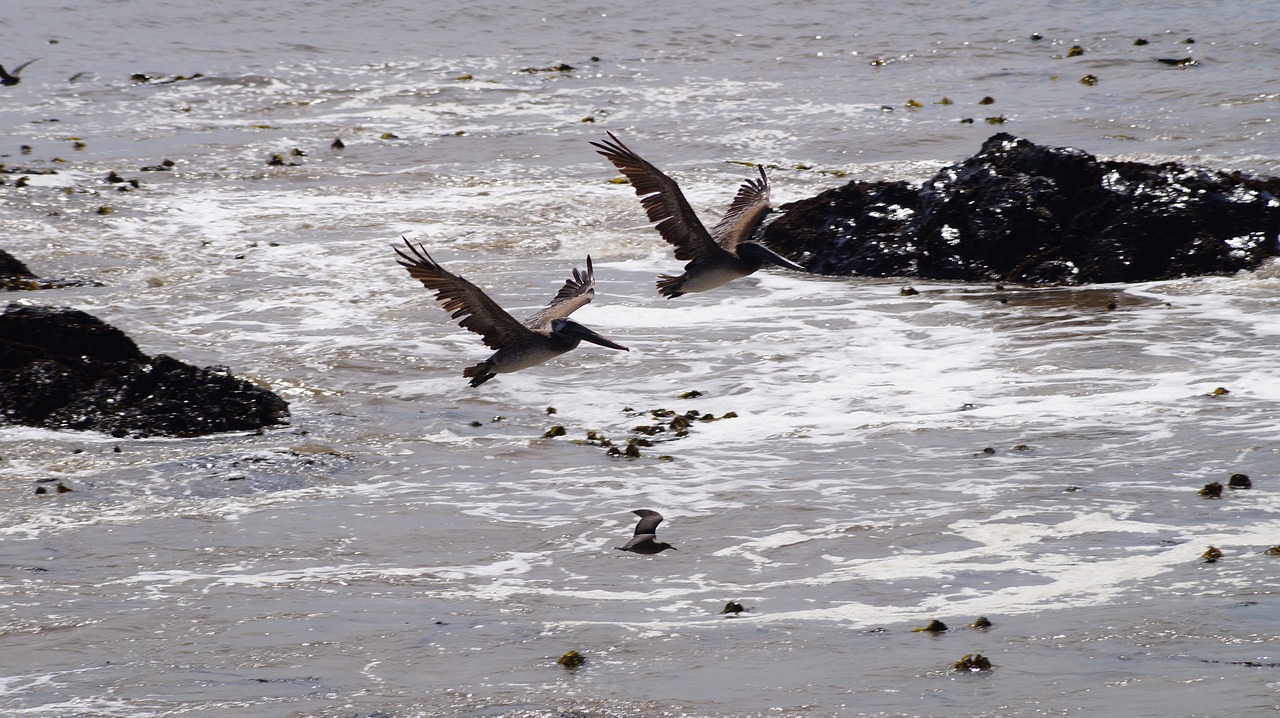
577, 292
745, 213
467, 302
663, 202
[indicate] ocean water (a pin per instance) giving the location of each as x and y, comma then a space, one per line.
410, 546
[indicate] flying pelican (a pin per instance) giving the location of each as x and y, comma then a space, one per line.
645, 539
543, 336
716, 257
11, 77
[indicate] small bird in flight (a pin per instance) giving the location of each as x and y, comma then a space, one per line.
11, 77
645, 539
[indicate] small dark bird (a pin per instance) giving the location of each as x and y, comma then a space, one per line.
11, 77
645, 539
542, 337
717, 257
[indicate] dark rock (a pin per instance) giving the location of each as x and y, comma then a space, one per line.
1021, 212
65, 369
15, 276
11, 266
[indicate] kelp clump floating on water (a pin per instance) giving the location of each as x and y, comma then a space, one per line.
572, 659
972, 663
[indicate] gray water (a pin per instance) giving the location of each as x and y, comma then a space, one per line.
410, 546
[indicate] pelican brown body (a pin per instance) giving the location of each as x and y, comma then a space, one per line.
645, 540
716, 257
543, 336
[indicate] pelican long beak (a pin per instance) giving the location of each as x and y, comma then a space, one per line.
761, 253
587, 335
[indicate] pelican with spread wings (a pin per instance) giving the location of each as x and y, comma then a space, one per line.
716, 257
543, 336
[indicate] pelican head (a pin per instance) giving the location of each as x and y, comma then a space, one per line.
575, 332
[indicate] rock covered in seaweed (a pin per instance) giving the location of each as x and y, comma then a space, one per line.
1021, 212
65, 369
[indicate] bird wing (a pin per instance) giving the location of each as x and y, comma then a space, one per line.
637, 540
648, 523
477, 312
745, 213
14, 72
577, 292
663, 202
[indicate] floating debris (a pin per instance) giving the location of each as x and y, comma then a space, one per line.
1211, 555
1212, 490
934, 626
562, 67
1240, 481
972, 662
981, 622
595, 437
732, 607
140, 78
572, 659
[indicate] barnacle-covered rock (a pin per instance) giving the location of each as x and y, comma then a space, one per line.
1021, 212
65, 369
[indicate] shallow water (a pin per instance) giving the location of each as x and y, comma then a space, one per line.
411, 546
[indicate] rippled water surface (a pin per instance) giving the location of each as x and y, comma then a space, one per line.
410, 546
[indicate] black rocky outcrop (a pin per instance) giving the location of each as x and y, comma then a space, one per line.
1022, 212
65, 369
15, 276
